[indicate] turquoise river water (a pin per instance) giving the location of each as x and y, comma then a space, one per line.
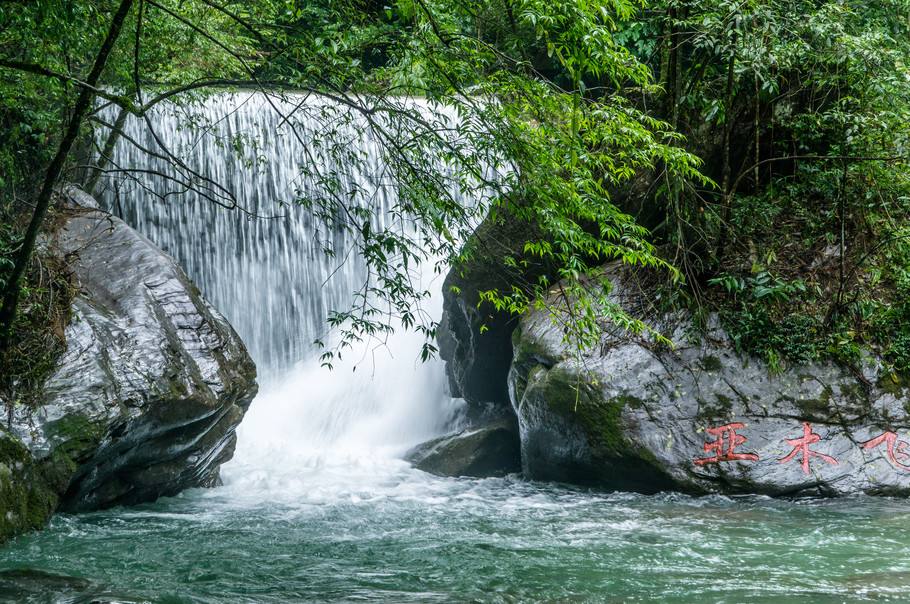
408, 537
318, 507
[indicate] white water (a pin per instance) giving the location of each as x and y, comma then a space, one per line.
309, 428
318, 435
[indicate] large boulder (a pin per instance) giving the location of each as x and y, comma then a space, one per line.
475, 341
700, 418
144, 402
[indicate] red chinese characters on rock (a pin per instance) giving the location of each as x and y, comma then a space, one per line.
801, 445
895, 450
724, 445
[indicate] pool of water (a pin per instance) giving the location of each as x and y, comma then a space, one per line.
379, 531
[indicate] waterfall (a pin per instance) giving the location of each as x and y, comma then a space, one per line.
265, 267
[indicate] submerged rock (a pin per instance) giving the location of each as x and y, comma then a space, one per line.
146, 398
484, 447
28, 586
700, 418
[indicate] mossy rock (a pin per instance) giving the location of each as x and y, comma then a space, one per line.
571, 432
701, 418
27, 497
76, 436
146, 398
572, 396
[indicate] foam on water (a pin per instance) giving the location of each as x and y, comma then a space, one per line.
341, 429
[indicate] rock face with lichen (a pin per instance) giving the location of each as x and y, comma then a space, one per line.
145, 401
700, 418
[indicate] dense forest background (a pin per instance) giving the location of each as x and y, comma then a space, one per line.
750, 157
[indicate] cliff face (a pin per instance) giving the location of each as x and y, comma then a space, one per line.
144, 402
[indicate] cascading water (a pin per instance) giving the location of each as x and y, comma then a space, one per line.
264, 266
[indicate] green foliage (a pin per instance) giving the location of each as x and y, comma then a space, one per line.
37, 335
890, 318
761, 287
8, 245
802, 109
549, 111
561, 144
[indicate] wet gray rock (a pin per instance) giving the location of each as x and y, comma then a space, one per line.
701, 419
475, 342
475, 339
481, 447
145, 401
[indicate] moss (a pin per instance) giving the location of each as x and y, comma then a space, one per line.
75, 435
815, 406
526, 347
725, 401
854, 392
178, 388
568, 395
11, 450
892, 383
710, 363
627, 400
721, 407
27, 499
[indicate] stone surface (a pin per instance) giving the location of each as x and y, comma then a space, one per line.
146, 398
475, 340
630, 416
482, 447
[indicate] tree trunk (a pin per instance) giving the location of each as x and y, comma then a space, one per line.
674, 71
678, 37
42, 203
726, 169
757, 131
666, 44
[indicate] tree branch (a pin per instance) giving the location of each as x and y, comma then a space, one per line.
36, 69
80, 109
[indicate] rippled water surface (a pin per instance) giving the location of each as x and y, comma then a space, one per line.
409, 537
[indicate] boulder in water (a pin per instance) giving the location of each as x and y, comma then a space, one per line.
702, 419
485, 446
474, 339
144, 402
